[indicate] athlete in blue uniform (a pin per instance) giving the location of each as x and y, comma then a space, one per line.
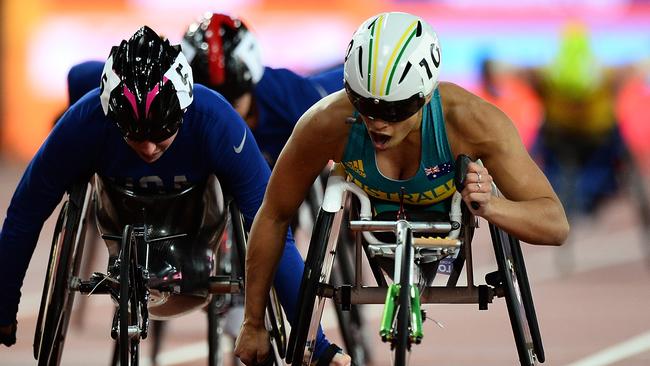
82, 78
225, 56
270, 100
148, 128
407, 130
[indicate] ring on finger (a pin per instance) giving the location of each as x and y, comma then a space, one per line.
479, 186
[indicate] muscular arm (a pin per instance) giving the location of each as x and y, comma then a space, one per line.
318, 137
64, 158
529, 208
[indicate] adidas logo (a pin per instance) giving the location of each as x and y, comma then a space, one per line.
356, 166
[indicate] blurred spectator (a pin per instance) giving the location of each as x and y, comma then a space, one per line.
513, 96
579, 145
633, 98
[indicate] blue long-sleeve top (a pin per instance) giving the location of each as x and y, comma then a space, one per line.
281, 97
85, 142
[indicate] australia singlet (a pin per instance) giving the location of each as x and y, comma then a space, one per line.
432, 185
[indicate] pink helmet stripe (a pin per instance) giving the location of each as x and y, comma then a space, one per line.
150, 95
131, 98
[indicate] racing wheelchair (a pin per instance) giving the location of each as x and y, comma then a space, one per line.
163, 262
404, 265
350, 319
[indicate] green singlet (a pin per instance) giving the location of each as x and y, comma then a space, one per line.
433, 183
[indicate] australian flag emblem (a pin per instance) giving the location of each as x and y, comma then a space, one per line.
438, 170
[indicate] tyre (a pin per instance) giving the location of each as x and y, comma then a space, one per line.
513, 283
215, 332
402, 342
527, 298
63, 267
303, 334
129, 304
274, 315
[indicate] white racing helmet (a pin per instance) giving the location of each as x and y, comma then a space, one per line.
391, 66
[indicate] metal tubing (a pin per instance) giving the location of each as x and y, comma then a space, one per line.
430, 295
225, 287
420, 227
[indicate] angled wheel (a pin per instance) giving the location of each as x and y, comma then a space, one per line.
402, 345
512, 277
215, 331
276, 326
129, 305
350, 321
62, 269
274, 316
527, 298
220, 303
320, 257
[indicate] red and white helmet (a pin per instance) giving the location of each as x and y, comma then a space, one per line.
224, 55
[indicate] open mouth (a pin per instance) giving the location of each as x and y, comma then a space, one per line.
379, 140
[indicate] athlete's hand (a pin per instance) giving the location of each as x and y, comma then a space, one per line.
341, 359
478, 189
8, 334
252, 345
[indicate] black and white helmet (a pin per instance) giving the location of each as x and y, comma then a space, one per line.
146, 87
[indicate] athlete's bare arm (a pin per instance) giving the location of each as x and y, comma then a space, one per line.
319, 136
530, 209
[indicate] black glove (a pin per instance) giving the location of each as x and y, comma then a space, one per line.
8, 334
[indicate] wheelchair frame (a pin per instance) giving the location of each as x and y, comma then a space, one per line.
126, 284
509, 281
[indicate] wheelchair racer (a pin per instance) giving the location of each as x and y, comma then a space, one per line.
225, 56
148, 128
396, 126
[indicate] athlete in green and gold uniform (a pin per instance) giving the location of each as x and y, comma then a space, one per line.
429, 188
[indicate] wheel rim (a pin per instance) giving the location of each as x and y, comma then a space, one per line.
513, 297
64, 263
128, 303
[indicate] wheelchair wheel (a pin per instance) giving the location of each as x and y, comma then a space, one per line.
63, 267
129, 305
215, 332
350, 321
274, 315
302, 340
402, 334
239, 237
527, 297
275, 324
518, 297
